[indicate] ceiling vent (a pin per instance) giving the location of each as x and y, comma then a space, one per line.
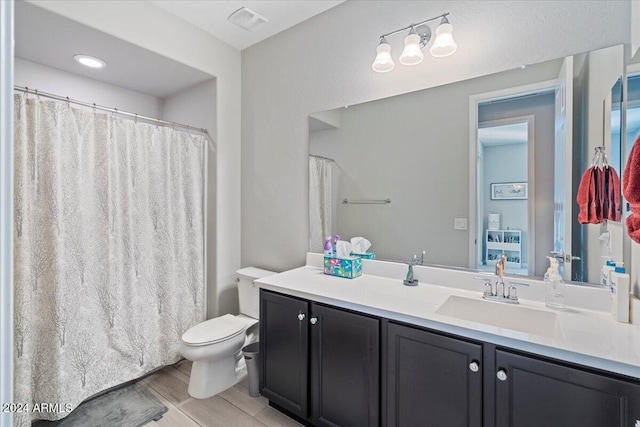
248, 19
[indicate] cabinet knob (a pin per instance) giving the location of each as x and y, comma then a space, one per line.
474, 367
501, 375
313, 320
301, 317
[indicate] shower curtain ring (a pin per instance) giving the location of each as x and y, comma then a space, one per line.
136, 118
94, 108
68, 105
37, 95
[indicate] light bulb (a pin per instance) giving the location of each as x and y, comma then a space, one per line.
444, 45
383, 62
90, 61
412, 54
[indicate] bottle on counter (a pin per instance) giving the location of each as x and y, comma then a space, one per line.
328, 250
554, 286
608, 268
620, 294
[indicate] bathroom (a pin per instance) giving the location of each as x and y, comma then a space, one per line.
256, 100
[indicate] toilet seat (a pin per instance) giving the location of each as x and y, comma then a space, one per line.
214, 330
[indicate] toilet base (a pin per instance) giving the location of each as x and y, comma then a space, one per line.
210, 378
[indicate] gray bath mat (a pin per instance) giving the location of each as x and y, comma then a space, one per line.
129, 406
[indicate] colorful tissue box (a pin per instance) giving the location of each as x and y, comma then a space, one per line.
343, 267
369, 255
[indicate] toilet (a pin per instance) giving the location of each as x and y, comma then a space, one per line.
214, 346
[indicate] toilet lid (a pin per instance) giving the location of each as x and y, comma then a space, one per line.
214, 330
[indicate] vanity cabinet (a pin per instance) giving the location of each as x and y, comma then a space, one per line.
324, 365
284, 348
431, 379
437, 380
325, 354
532, 393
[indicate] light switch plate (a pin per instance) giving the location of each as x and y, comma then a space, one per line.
460, 223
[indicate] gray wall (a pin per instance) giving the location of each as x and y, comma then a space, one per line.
325, 63
542, 107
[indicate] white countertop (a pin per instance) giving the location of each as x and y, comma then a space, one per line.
590, 338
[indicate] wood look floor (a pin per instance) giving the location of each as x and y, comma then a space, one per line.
231, 408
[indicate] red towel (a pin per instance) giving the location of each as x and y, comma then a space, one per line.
631, 178
611, 205
631, 190
587, 198
633, 227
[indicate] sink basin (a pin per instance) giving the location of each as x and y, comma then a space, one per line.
513, 317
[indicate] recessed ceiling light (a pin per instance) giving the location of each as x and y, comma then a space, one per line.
90, 61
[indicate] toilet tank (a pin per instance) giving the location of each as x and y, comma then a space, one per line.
248, 292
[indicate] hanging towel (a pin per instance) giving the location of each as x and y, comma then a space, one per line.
631, 190
611, 205
588, 194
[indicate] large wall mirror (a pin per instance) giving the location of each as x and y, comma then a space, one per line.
471, 170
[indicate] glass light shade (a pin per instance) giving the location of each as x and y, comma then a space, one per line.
412, 54
383, 62
444, 45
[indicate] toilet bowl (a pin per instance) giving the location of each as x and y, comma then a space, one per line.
214, 346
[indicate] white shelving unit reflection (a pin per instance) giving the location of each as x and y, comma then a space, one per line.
508, 242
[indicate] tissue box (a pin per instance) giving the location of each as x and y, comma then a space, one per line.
343, 267
369, 255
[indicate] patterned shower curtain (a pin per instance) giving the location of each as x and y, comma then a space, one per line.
109, 251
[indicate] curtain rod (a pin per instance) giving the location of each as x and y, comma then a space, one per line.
108, 109
322, 157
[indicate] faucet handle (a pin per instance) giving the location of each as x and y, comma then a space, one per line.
513, 292
488, 287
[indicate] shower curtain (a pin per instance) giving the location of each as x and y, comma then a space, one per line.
109, 250
320, 171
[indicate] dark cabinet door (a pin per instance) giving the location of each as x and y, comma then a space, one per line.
432, 380
345, 368
534, 393
284, 351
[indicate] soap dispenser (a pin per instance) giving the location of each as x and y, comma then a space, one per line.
554, 286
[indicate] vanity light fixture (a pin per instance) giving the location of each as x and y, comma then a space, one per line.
418, 37
90, 61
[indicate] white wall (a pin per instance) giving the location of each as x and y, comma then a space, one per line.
6, 211
325, 63
47, 79
196, 106
150, 27
635, 28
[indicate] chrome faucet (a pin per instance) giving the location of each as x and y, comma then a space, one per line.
409, 280
501, 294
